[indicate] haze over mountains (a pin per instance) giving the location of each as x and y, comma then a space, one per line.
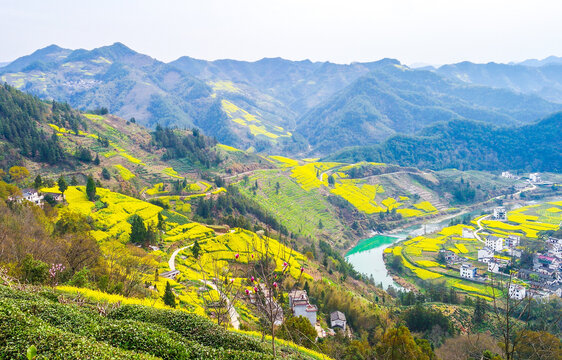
279, 105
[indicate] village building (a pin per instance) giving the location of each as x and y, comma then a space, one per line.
500, 213
512, 241
535, 177
485, 254
494, 266
468, 271
468, 233
337, 319
495, 243
517, 291
507, 175
58, 197
300, 305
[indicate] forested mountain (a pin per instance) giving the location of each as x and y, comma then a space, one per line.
468, 145
19, 117
395, 99
273, 105
542, 78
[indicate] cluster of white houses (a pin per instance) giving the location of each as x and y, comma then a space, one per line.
36, 197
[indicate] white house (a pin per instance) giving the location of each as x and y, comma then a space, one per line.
512, 241
337, 319
467, 271
500, 213
468, 233
298, 302
507, 175
495, 243
30, 195
493, 266
517, 291
485, 254
535, 177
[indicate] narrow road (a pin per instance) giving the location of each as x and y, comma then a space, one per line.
172, 261
232, 313
480, 227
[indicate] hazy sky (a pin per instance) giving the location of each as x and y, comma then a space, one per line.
429, 31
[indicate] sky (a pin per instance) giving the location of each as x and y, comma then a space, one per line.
412, 31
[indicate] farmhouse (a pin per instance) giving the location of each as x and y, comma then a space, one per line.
298, 302
468, 233
30, 195
507, 175
468, 271
337, 319
485, 254
517, 292
535, 177
58, 197
512, 241
500, 213
494, 266
495, 243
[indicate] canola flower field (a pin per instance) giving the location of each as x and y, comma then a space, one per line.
310, 174
419, 254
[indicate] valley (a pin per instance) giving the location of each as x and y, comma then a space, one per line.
238, 210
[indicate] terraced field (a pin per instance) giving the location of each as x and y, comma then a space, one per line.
300, 210
419, 254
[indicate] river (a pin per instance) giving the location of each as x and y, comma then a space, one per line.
367, 256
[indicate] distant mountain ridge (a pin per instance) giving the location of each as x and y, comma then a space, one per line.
283, 106
469, 145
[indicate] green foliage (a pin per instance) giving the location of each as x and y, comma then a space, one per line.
62, 184
33, 271
105, 174
465, 145
20, 114
420, 319
91, 188
190, 326
139, 232
195, 147
196, 249
298, 330
169, 297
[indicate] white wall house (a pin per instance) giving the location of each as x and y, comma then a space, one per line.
468, 233
298, 302
468, 271
517, 291
500, 213
485, 254
512, 241
495, 243
535, 177
493, 266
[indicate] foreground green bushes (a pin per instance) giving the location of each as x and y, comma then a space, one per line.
68, 331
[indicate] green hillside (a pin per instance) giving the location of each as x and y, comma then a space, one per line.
469, 145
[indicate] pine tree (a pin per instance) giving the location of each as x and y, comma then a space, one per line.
73, 181
169, 297
38, 182
161, 222
97, 160
138, 230
62, 184
91, 188
196, 249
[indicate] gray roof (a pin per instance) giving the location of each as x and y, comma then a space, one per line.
337, 315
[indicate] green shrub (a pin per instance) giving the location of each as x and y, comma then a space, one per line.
191, 326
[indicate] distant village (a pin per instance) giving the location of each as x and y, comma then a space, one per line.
542, 275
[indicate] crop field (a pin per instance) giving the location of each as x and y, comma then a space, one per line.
420, 253
299, 209
125, 173
528, 221
256, 125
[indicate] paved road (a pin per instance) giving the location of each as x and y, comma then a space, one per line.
480, 227
172, 261
232, 313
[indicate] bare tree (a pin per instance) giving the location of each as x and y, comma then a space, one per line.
509, 312
228, 293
